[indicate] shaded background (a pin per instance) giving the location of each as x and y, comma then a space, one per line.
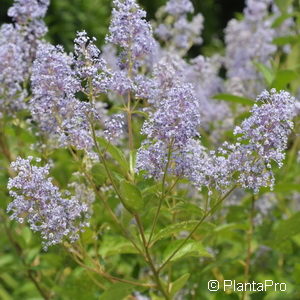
65, 17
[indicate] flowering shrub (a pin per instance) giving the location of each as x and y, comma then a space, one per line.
135, 171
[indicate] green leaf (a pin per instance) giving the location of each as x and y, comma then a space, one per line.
114, 245
284, 40
9, 280
131, 195
173, 229
266, 72
6, 259
285, 230
190, 248
178, 284
283, 4
278, 21
99, 174
140, 112
132, 161
117, 291
229, 227
115, 153
283, 78
4, 295
187, 209
287, 187
234, 98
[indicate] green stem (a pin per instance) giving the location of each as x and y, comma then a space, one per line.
249, 245
129, 121
163, 194
196, 227
150, 261
106, 205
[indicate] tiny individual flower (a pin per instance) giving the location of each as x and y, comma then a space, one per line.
39, 202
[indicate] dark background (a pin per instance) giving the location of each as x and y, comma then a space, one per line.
65, 17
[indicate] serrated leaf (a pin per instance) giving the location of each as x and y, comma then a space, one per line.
131, 195
234, 99
178, 284
190, 248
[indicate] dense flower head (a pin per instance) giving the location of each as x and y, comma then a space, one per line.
202, 76
90, 67
88, 61
54, 105
169, 128
177, 119
114, 127
130, 31
14, 52
152, 158
18, 43
39, 202
24, 10
269, 125
262, 139
179, 7
52, 73
175, 29
256, 10
165, 76
248, 41
29, 14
